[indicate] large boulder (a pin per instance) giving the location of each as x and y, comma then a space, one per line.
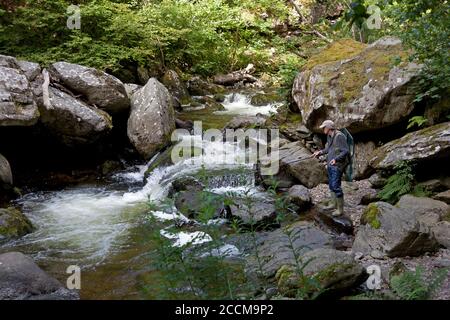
152, 118
392, 231
5, 171
176, 87
22, 279
363, 154
355, 85
100, 89
13, 224
72, 121
281, 247
17, 104
329, 272
423, 145
422, 206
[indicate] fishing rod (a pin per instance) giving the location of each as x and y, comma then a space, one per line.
300, 159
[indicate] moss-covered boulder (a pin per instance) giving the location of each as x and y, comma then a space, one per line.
420, 146
13, 223
320, 272
264, 99
176, 87
393, 231
361, 87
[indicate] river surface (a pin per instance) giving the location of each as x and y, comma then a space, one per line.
104, 228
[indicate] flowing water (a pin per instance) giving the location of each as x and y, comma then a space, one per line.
104, 229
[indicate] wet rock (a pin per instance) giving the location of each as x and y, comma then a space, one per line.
254, 214
13, 224
22, 279
443, 196
100, 89
193, 203
263, 99
276, 249
17, 103
363, 154
334, 272
420, 146
182, 124
341, 224
171, 80
5, 171
72, 121
187, 183
199, 87
354, 85
110, 166
391, 231
299, 195
242, 122
152, 119
209, 103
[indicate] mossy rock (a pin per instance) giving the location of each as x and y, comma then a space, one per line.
370, 216
14, 223
264, 99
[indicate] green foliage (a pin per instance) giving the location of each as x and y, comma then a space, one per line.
398, 184
414, 286
418, 121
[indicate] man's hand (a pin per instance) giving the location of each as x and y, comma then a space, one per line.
333, 162
316, 154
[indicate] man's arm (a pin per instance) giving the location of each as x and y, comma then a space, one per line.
323, 151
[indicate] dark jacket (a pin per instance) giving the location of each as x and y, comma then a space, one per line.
337, 148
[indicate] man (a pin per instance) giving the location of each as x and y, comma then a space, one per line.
337, 151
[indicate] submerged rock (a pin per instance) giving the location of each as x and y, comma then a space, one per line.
329, 272
13, 223
72, 121
354, 85
152, 119
101, 89
17, 104
22, 279
420, 146
392, 231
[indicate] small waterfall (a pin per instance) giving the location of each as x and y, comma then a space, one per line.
239, 104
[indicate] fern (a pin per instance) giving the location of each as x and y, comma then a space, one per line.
400, 183
417, 120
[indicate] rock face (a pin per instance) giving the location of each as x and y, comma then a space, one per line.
101, 89
333, 272
300, 196
73, 121
275, 248
152, 119
419, 146
363, 154
5, 171
17, 104
22, 279
254, 214
13, 223
354, 85
392, 231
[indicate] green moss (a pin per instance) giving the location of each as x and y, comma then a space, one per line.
13, 223
370, 216
332, 271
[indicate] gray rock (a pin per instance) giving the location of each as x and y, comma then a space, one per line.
423, 205
13, 223
193, 203
242, 122
333, 271
101, 89
359, 91
152, 119
377, 181
432, 185
72, 121
419, 146
441, 232
5, 171
276, 249
363, 154
255, 214
17, 104
443, 196
131, 88
30, 69
171, 80
22, 279
199, 87
388, 230
300, 196
340, 225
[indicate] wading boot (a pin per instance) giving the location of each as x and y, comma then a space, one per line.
331, 203
340, 207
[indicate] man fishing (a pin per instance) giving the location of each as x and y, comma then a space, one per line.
337, 151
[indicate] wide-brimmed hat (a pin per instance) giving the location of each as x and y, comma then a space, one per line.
328, 124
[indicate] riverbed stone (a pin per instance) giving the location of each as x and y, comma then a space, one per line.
193, 203
152, 118
253, 213
72, 121
13, 223
300, 196
387, 230
422, 146
22, 279
329, 271
356, 85
100, 89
